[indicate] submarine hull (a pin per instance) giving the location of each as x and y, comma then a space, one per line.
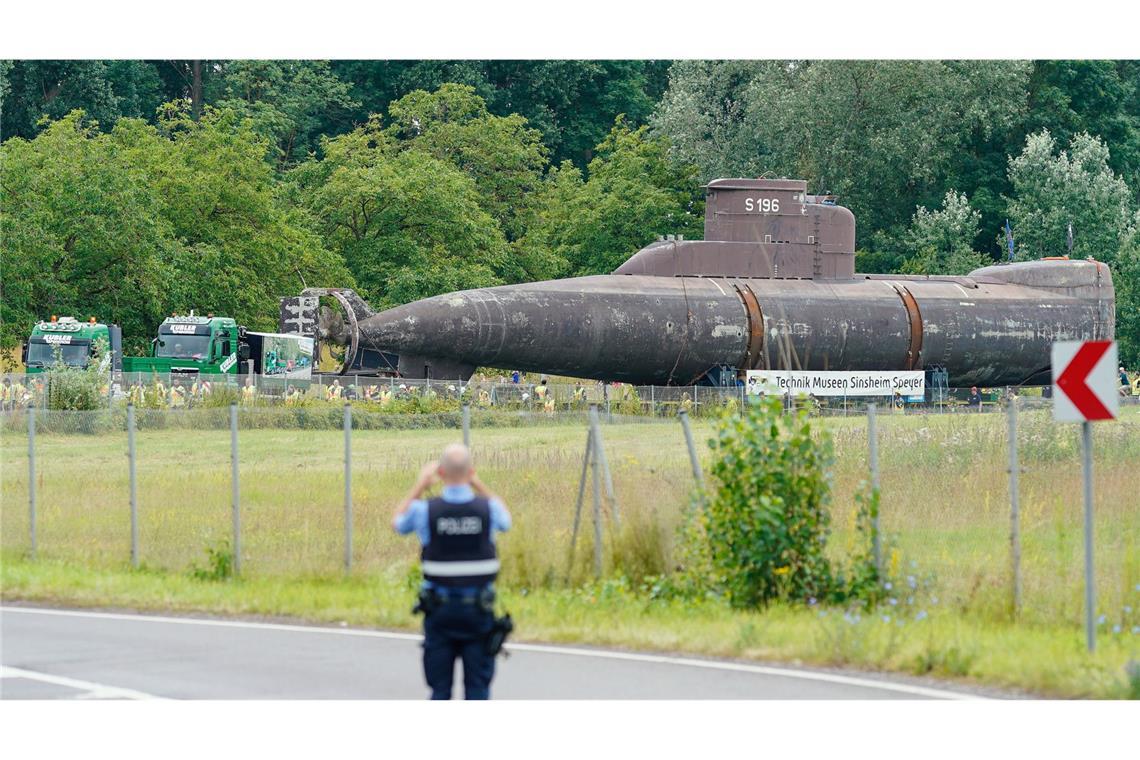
986, 329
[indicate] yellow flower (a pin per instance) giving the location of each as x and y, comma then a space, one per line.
783, 570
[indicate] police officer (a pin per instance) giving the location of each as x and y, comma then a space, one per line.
456, 530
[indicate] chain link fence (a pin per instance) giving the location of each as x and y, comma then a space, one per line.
176, 391
946, 522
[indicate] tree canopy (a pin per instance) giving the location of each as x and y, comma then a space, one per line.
131, 188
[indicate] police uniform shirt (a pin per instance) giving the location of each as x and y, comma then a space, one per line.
415, 518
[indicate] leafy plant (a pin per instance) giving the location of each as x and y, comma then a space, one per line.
219, 564
79, 388
767, 522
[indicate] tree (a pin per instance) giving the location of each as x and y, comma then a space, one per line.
52, 89
703, 114
407, 224
572, 103
1078, 187
82, 234
941, 240
632, 193
1101, 98
137, 222
243, 246
289, 102
1126, 280
501, 154
885, 136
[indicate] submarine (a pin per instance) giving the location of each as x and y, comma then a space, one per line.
771, 286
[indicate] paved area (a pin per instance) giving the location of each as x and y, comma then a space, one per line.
74, 654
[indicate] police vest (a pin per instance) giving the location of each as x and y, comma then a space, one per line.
460, 552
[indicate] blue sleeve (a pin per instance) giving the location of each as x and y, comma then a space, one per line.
414, 519
500, 517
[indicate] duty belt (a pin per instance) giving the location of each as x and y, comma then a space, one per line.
431, 599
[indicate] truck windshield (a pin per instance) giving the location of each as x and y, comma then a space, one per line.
42, 354
183, 346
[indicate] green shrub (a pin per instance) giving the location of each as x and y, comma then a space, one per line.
78, 388
219, 564
763, 534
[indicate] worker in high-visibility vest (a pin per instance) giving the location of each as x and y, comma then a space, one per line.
249, 392
18, 395
177, 395
158, 391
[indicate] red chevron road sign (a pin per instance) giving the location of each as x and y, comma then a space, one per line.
1084, 381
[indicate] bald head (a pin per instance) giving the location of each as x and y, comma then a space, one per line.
455, 464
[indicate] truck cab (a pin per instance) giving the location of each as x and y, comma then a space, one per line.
67, 340
191, 344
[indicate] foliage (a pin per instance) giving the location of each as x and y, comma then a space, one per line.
219, 564
106, 90
631, 193
942, 238
1101, 98
572, 104
1076, 186
502, 154
82, 232
288, 102
1126, 280
767, 518
133, 188
79, 388
407, 224
131, 224
883, 135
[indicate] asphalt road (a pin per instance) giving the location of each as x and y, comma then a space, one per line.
72, 654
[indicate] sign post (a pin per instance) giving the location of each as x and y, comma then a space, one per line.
1084, 390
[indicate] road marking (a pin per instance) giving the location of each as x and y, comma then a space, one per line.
806, 675
90, 689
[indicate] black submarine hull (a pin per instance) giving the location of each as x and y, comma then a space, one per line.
987, 329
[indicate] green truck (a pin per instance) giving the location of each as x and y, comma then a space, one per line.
192, 345
73, 342
185, 345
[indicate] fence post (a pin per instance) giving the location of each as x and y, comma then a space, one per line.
348, 488
694, 462
1090, 586
467, 425
1014, 515
32, 475
234, 481
652, 401
581, 496
134, 485
597, 508
873, 442
600, 457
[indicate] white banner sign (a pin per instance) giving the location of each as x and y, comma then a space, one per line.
836, 383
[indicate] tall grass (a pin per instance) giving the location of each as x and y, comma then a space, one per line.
945, 506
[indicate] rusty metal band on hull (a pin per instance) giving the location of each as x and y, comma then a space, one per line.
754, 357
914, 317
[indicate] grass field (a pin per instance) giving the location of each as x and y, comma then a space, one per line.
945, 511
